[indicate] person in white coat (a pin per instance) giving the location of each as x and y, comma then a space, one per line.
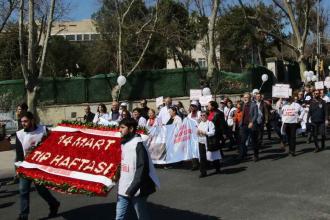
292, 114
207, 129
174, 118
142, 122
102, 116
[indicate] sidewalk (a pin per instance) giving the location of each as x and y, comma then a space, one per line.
7, 164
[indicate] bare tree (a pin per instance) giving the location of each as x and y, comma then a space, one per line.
150, 23
30, 66
300, 28
211, 60
7, 8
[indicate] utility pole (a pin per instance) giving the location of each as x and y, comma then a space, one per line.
318, 40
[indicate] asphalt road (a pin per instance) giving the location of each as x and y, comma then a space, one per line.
277, 187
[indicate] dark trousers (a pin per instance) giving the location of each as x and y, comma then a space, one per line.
24, 191
230, 134
318, 129
245, 133
203, 160
277, 129
255, 140
290, 131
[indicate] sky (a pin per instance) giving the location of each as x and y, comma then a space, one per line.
82, 9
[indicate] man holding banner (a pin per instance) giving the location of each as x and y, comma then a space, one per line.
30, 136
137, 173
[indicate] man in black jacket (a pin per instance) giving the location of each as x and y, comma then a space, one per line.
249, 127
137, 174
319, 119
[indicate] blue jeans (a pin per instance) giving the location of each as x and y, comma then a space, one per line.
139, 204
24, 194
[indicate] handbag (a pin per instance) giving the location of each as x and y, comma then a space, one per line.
212, 142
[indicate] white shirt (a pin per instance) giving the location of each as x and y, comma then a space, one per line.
208, 127
31, 139
292, 112
101, 119
177, 120
164, 115
196, 118
142, 122
326, 99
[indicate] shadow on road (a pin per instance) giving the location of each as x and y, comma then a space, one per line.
304, 151
6, 194
233, 170
107, 211
7, 204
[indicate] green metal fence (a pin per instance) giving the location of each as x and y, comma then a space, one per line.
143, 84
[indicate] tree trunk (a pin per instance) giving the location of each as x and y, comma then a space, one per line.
115, 92
302, 67
210, 60
32, 101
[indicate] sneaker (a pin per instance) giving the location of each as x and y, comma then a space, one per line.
53, 210
202, 175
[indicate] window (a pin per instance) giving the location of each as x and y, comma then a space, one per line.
95, 36
70, 37
79, 37
87, 37
201, 62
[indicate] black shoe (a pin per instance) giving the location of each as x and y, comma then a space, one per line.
23, 217
293, 154
202, 175
316, 150
217, 171
255, 158
194, 168
53, 210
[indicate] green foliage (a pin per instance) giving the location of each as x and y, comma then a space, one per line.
9, 54
240, 42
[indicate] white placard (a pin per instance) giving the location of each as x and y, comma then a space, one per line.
281, 92
283, 85
204, 100
327, 84
319, 85
159, 101
195, 94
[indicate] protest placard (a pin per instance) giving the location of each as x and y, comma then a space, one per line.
279, 91
319, 85
195, 94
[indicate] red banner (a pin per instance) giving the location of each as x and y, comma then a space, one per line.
75, 160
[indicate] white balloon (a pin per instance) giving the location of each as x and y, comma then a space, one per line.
121, 80
308, 79
305, 74
264, 77
310, 74
314, 78
327, 78
206, 91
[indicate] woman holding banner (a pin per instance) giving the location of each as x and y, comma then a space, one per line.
206, 129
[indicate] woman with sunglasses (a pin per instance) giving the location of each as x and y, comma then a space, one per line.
207, 129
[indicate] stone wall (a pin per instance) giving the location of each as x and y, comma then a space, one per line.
53, 114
